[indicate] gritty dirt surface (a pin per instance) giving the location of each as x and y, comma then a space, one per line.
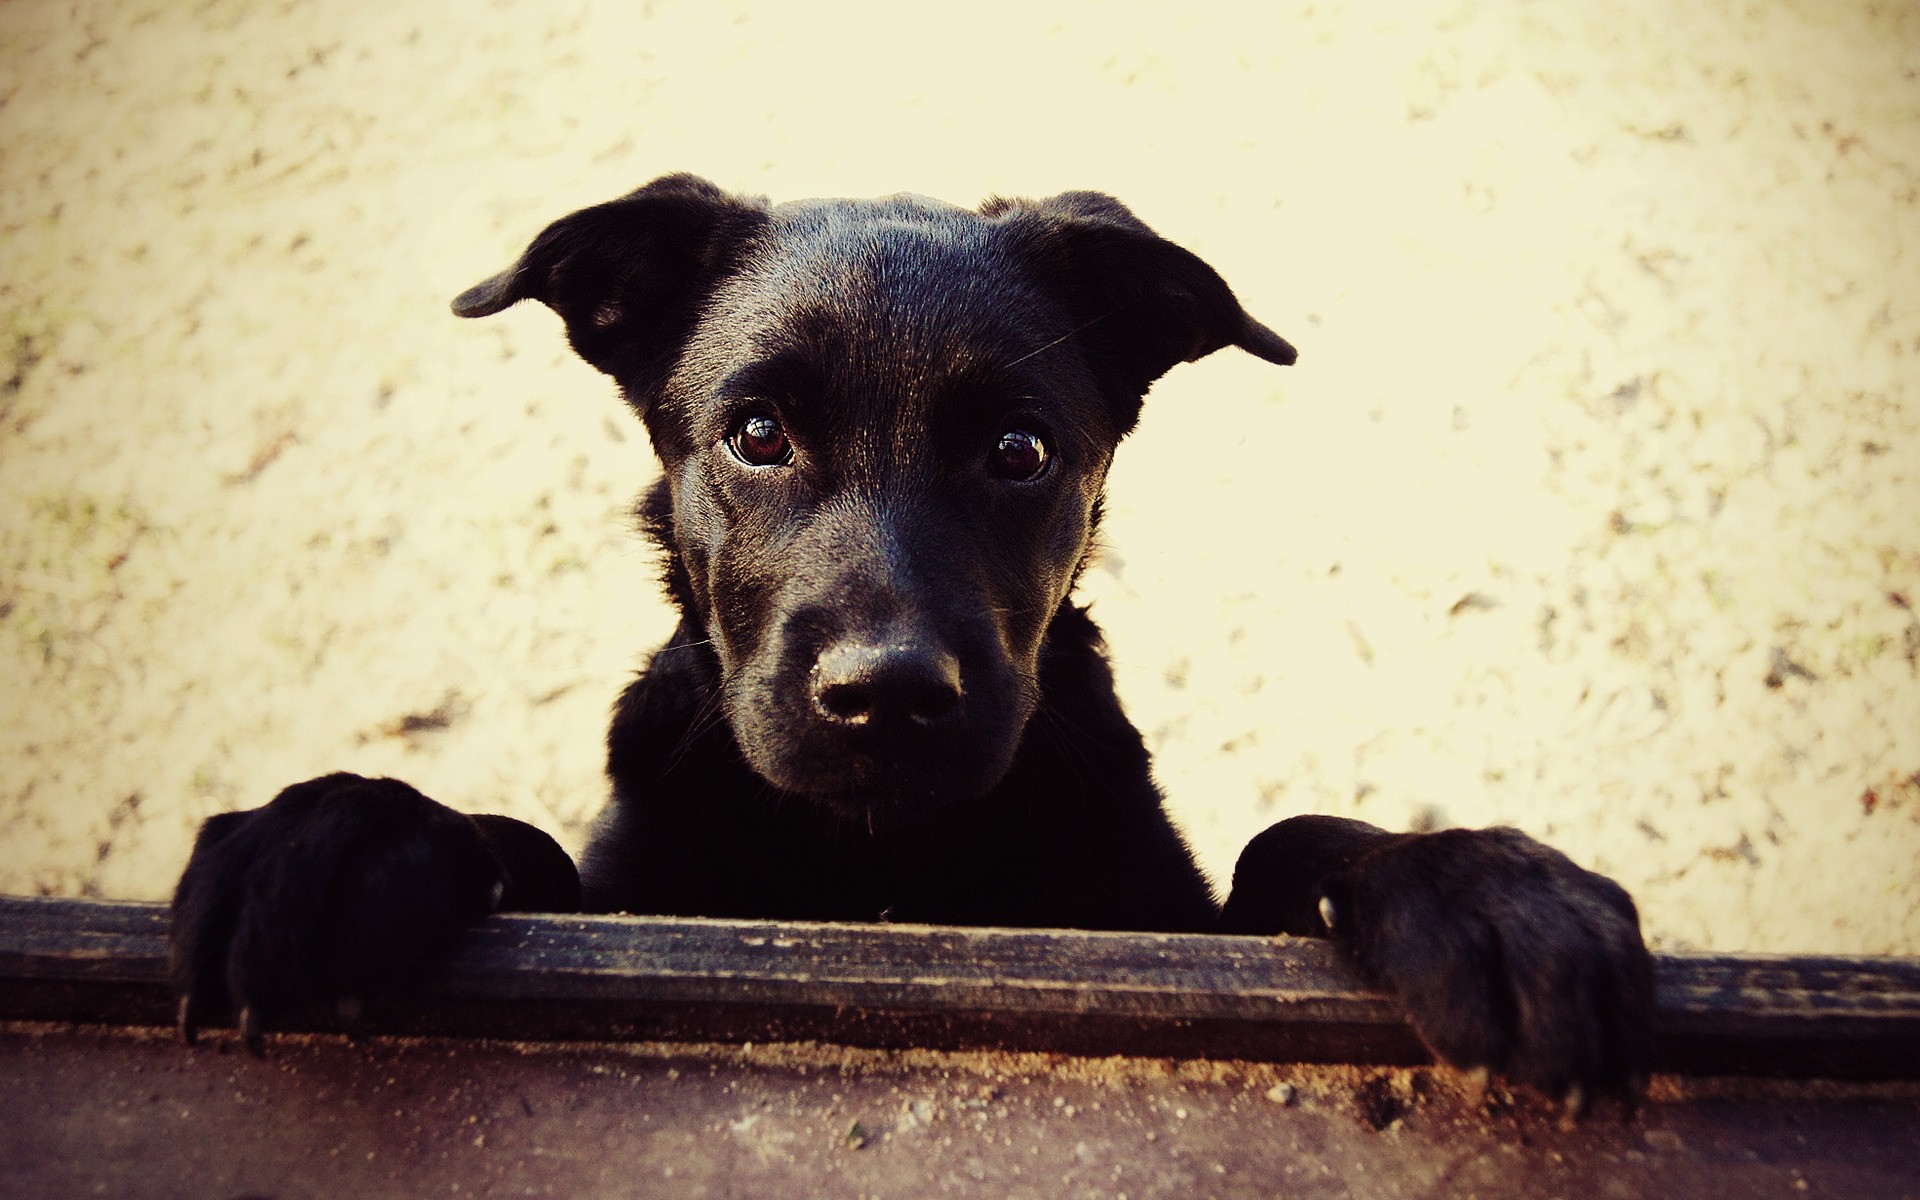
1592, 507
99, 1112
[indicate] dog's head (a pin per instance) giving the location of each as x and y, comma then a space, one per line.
884, 426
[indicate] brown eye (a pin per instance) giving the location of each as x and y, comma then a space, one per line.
760, 442
1019, 456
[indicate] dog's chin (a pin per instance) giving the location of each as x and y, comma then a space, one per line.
883, 791
880, 809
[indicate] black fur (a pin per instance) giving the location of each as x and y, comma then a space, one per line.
884, 426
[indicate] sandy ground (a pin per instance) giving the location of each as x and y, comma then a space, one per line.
1592, 507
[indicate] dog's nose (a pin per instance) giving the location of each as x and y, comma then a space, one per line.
907, 683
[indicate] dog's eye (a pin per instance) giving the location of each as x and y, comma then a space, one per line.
1019, 456
760, 442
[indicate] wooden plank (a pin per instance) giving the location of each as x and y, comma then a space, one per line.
1177, 995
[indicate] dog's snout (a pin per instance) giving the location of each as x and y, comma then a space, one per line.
900, 684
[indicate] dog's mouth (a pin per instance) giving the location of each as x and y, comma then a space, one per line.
889, 782
882, 806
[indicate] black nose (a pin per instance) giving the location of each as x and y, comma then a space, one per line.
909, 683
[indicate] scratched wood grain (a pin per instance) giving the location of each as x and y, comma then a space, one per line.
1181, 995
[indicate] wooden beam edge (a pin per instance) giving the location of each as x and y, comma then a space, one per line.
895, 986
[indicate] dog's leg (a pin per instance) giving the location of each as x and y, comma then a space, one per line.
339, 891
1506, 955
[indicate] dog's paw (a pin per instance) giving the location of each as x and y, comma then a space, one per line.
337, 892
1506, 955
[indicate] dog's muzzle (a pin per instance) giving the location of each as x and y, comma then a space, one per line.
898, 716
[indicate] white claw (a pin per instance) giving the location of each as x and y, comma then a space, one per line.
1479, 1083
1576, 1107
1326, 912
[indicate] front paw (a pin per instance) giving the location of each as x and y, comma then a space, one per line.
1506, 955
336, 892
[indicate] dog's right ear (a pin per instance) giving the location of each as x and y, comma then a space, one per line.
628, 276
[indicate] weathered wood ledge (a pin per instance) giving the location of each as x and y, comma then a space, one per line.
1187, 996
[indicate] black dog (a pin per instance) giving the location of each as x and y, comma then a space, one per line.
884, 427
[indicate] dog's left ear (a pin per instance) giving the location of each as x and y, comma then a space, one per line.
1140, 303
628, 276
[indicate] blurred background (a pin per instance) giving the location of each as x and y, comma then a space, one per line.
1592, 507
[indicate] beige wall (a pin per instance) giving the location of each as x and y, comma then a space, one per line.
1610, 328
